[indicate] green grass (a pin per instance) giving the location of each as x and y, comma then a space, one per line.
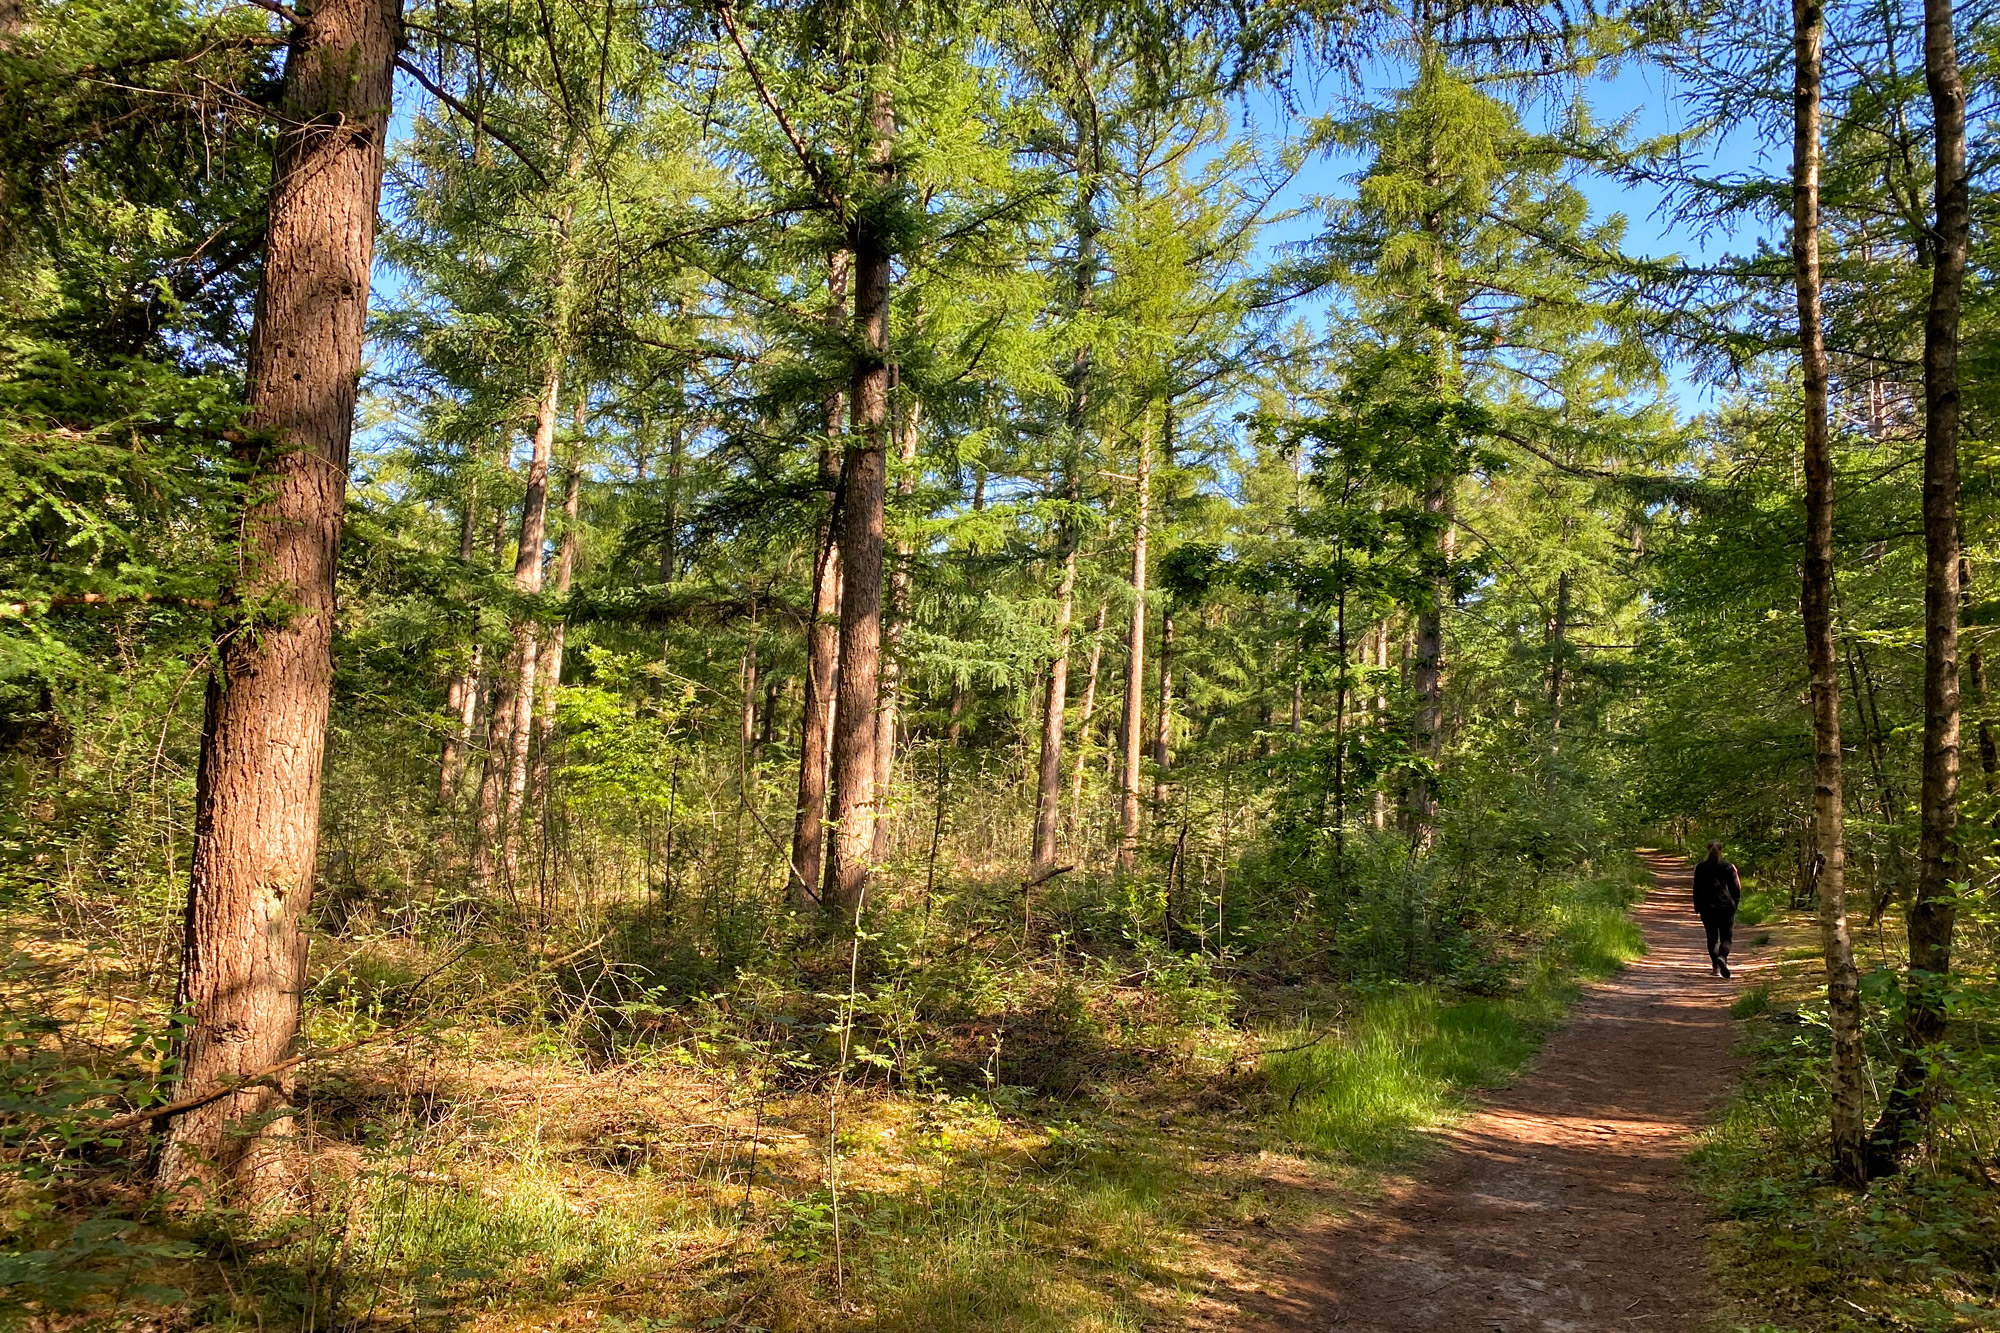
1409, 1059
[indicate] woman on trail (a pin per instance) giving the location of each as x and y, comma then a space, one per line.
1717, 890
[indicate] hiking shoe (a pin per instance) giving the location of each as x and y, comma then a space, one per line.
1723, 968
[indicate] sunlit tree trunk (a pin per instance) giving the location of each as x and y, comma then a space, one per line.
1933, 915
1135, 665
505, 781
462, 691
550, 660
863, 477
1378, 813
243, 959
822, 636
1086, 719
1163, 711
1048, 771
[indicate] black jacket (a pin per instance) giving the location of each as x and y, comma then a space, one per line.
1717, 888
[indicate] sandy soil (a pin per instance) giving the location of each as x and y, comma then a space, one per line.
1560, 1208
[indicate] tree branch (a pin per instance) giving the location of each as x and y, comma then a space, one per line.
462, 109
834, 199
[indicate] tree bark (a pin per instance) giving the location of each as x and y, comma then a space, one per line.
514, 701
1816, 606
1558, 646
1378, 814
863, 476
1934, 913
888, 716
1163, 712
550, 660
822, 636
1135, 666
1427, 671
1048, 773
263, 740
462, 691
1086, 718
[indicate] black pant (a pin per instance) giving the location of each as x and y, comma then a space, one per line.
1720, 926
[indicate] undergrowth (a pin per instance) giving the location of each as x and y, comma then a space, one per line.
1071, 1126
1919, 1250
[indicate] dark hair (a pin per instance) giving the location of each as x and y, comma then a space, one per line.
1715, 851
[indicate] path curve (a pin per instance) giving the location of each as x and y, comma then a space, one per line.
1559, 1208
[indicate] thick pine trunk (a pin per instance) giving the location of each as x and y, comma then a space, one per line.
1816, 605
822, 637
257, 795
1135, 664
863, 481
1934, 913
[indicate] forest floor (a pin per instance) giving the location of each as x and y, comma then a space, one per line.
1562, 1206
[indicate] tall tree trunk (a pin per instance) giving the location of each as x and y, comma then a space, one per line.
1048, 773
494, 744
1558, 646
1427, 671
1378, 814
822, 635
550, 660
1055, 703
1163, 711
462, 691
1816, 605
1135, 666
1934, 913
861, 535
888, 716
767, 718
257, 795
748, 679
1086, 718
514, 701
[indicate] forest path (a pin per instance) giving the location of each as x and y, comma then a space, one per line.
1559, 1208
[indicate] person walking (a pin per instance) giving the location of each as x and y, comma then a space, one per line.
1717, 891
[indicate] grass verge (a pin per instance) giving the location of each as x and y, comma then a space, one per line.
1794, 1254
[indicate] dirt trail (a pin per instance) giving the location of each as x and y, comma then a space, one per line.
1559, 1208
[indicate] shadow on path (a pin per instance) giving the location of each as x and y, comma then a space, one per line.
1559, 1208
